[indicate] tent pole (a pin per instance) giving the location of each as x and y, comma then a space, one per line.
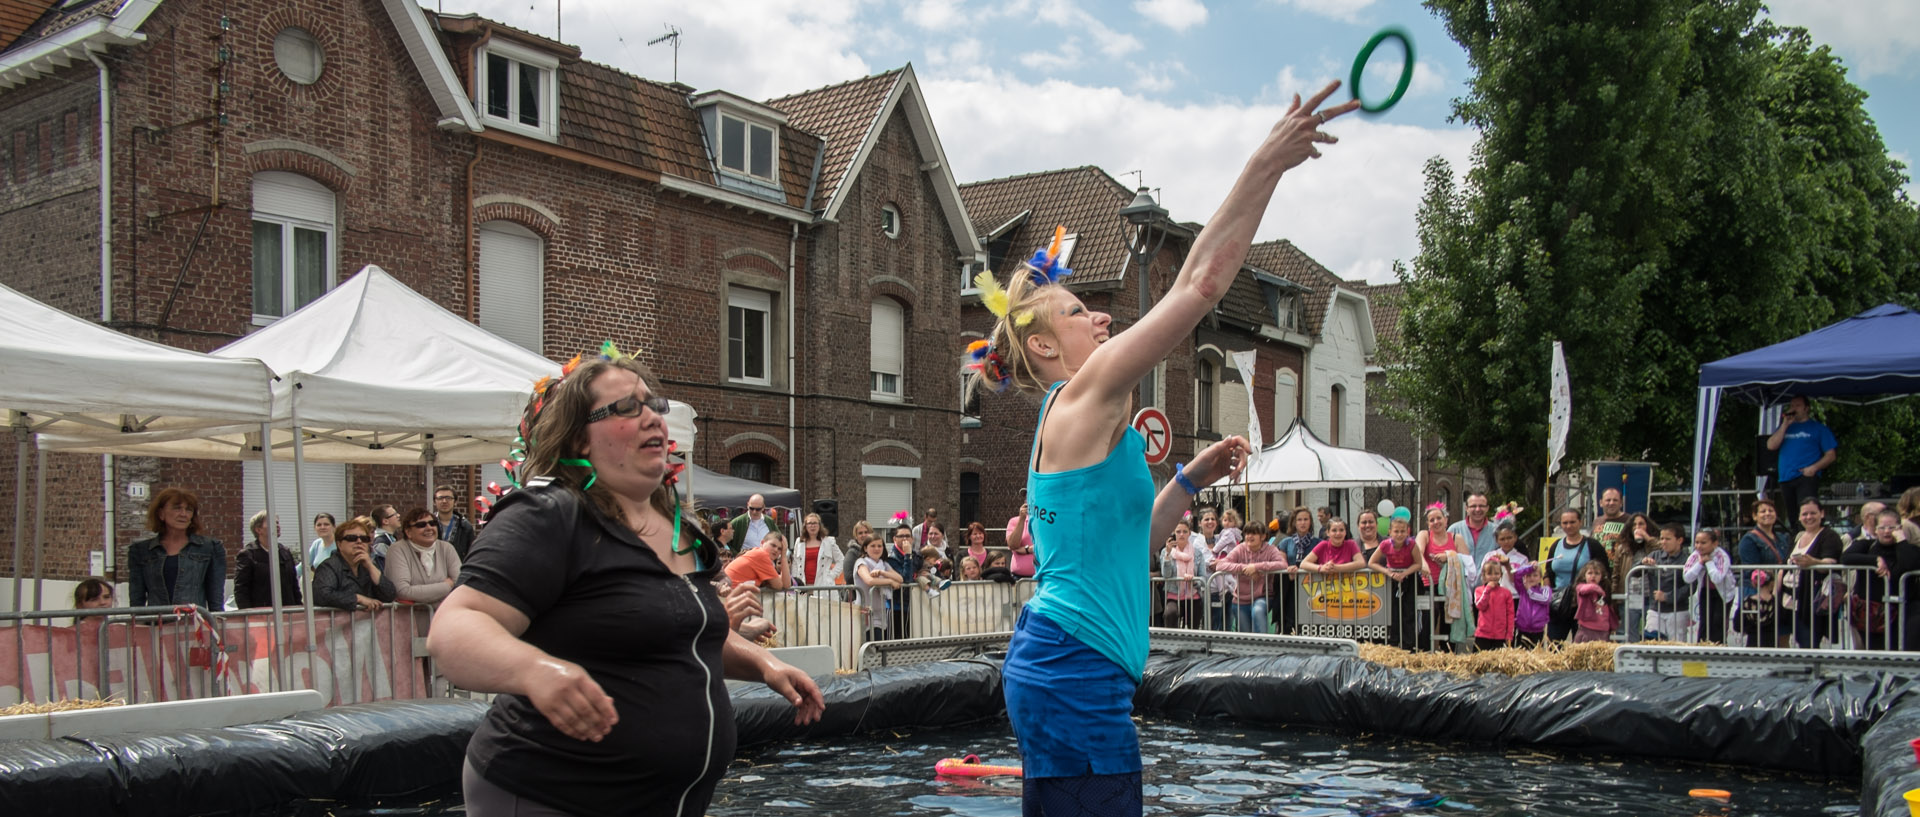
39, 525
272, 543
1704, 409
300, 505
427, 456
19, 512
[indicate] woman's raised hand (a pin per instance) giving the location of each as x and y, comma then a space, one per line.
1294, 136
1225, 458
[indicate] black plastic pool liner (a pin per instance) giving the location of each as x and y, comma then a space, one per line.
371, 753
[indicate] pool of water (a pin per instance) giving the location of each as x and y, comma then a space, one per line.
1213, 768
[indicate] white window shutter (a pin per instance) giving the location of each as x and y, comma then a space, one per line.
887, 496
292, 196
326, 485
510, 283
889, 325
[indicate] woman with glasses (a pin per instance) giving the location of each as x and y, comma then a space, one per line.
424, 568
349, 580
588, 603
1080, 647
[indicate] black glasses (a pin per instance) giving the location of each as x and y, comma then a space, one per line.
353, 537
752, 508
629, 406
424, 523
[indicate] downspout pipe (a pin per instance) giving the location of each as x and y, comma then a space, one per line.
108, 520
793, 450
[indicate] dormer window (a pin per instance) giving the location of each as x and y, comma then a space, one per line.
518, 89
746, 147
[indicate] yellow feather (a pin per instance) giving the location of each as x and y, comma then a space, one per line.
1025, 317
991, 295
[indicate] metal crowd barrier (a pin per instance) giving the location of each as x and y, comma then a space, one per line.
1791, 607
163, 653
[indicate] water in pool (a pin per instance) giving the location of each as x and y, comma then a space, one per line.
1212, 768
1223, 769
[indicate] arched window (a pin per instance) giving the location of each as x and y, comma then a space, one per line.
756, 467
293, 229
888, 348
1286, 400
1205, 382
511, 273
1336, 411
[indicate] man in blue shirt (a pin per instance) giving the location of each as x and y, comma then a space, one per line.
1806, 448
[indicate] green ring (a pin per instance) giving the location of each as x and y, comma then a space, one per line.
1360, 64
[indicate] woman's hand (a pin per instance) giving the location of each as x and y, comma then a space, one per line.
797, 688
571, 700
741, 601
1225, 458
1292, 139
365, 603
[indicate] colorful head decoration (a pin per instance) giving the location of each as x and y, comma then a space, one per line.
981, 356
1045, 264
518, 454
1508, 511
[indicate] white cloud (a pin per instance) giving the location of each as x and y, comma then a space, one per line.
1157, 77
960, 55
935, 15
1178, 15
1352, 210
1064, 55
1383, 73
1070, 16
1344, 10
1873, 36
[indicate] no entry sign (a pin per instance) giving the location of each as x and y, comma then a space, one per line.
1152, 424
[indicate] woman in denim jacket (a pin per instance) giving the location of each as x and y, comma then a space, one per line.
176, 565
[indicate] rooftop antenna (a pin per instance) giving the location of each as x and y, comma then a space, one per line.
673, 36
1138, 179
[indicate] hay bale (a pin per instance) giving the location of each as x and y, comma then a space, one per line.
1596, 656
33, 708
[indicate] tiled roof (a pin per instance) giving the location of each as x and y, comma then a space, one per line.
608, 113
1085, 199
1287, 261
1246, 302
842, 115
24, 21
1383, 301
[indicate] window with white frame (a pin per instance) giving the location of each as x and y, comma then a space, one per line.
888, 348
887, 496
293, 218
747, 147
889, 221
1286, 399
510, 273
518, 89
749, 336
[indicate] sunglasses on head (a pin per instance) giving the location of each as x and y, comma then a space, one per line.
629, 406
354, 537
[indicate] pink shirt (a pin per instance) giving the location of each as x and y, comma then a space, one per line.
1328, 554
1494, 604
1021, 564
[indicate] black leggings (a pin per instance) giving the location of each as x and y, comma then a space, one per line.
484, 799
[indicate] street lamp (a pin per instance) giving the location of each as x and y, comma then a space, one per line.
1144, 215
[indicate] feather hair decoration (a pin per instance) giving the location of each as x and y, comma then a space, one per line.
608, 351
570, 366
1045, 264
991, 295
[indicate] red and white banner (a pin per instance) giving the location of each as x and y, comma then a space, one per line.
356, 657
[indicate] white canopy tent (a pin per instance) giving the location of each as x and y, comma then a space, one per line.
68, 376
1300, 461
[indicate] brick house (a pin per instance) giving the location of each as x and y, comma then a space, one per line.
259, 158
1439, 479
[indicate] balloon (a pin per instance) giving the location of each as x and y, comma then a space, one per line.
1385, 507
1403, 513
1386, 526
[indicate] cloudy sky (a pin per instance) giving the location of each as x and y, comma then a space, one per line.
1178, 91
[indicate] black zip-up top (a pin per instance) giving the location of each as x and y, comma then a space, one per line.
600, 598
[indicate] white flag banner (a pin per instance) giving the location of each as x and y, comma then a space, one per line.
1245, 362
1560, 414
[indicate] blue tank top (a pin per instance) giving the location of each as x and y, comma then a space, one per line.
1090, 526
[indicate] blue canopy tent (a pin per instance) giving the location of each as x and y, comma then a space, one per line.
1869, 357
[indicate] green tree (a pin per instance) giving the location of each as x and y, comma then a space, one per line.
1658, 183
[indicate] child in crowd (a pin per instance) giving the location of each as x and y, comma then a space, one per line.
1640, 540
969, 569
875, 581
1667, 617
1508, 550
1594, 617
1254, 559
935, 571
998, 568
1399, 558
1494, 602
1531, 605
1710, 573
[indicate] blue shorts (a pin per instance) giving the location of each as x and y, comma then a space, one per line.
1071, 707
